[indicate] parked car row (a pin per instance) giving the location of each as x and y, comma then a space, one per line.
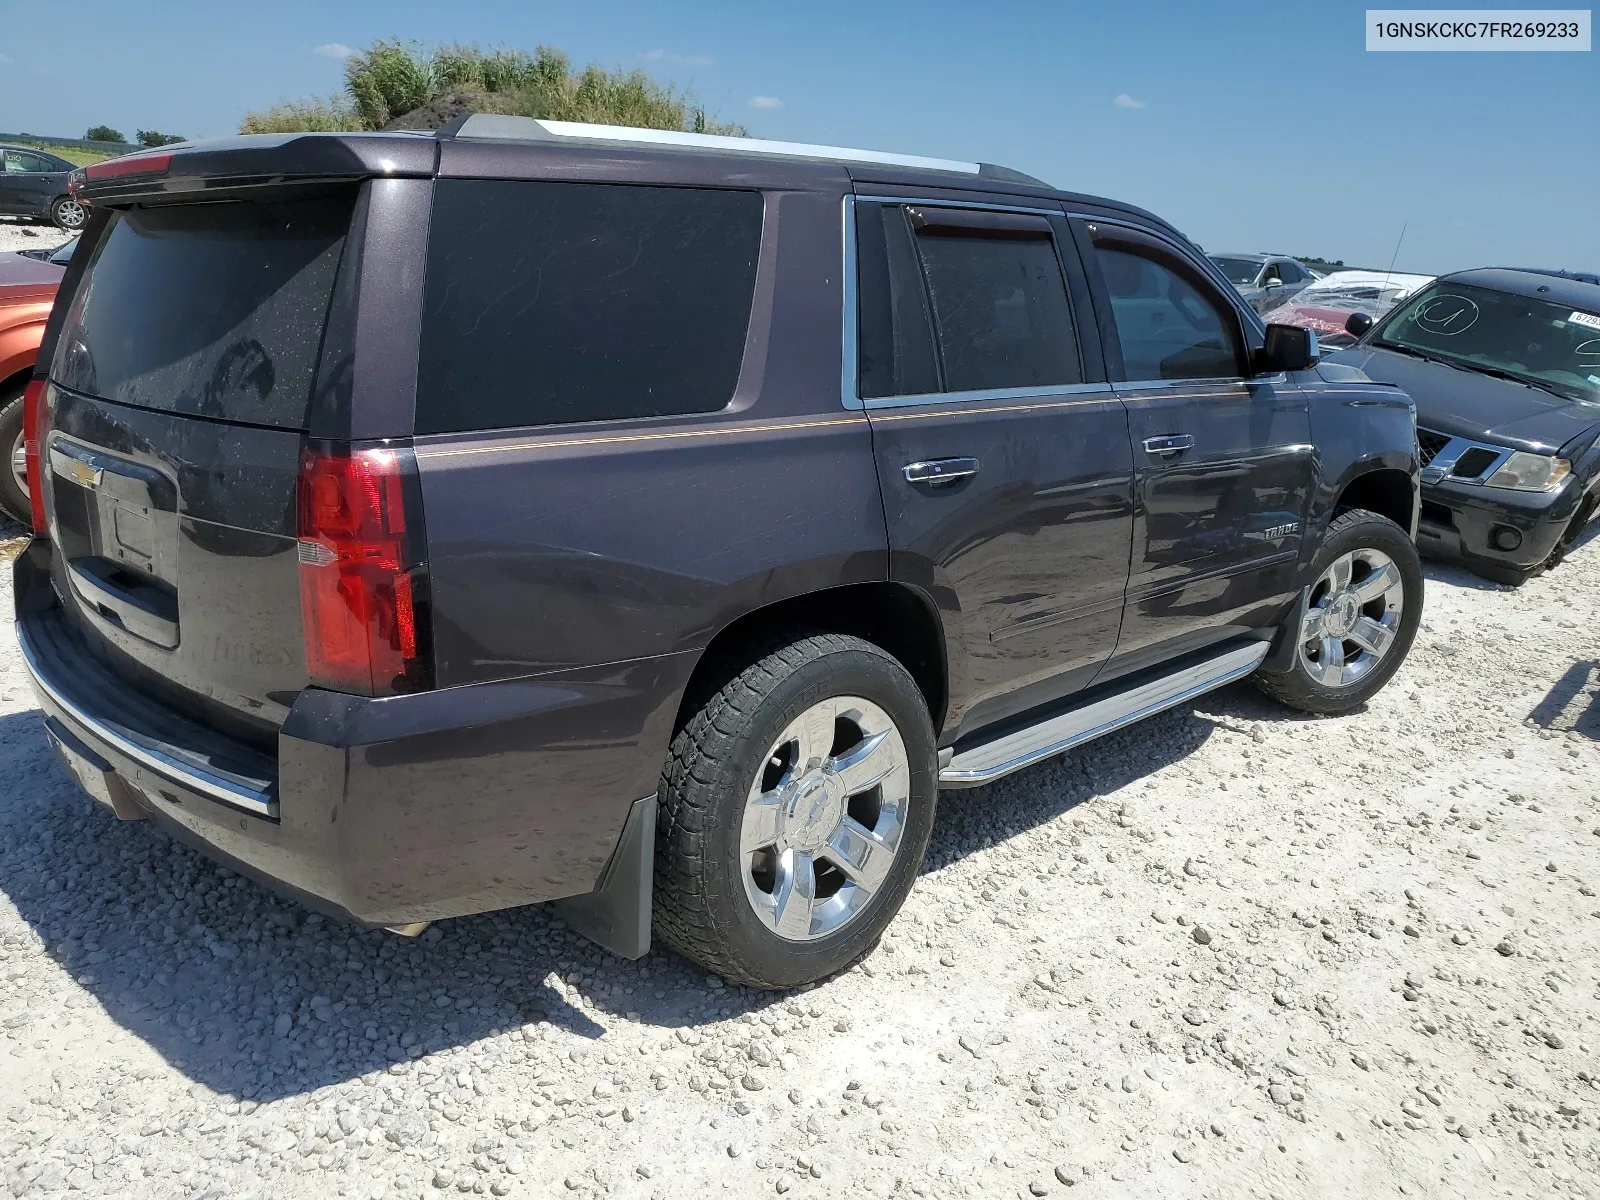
1504, 367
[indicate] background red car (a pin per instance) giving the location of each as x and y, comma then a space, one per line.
28, 283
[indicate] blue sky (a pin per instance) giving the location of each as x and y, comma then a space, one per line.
1255, 126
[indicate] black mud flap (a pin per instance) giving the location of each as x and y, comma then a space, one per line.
616, 914
1280, 659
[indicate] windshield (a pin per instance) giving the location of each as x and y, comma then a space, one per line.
1550, 345
1239, 271
63, 254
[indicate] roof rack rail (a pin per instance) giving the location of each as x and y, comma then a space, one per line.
498, 128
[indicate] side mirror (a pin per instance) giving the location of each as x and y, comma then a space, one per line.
1288, 348
1357, 324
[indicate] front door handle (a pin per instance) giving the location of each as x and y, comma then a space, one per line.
941, 470
1172, 443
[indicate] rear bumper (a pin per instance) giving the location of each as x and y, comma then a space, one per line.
1472, 523
383, 811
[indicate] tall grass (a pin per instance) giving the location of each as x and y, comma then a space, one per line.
330, 114
390, 79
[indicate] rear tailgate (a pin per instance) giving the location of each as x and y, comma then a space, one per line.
181, 388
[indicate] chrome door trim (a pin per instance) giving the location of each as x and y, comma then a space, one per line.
1022, 393
989, 761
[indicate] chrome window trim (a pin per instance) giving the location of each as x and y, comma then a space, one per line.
850, 383
1281, 378
186, 775
850, 375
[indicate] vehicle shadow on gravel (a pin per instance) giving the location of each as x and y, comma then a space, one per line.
253, 996
1573, 703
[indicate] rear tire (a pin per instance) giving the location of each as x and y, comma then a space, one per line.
1365, 606
13, 491
796, 806
67, 214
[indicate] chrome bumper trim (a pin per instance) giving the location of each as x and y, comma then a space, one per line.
186, 775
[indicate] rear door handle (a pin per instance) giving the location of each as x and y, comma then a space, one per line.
941, 470
1172, 443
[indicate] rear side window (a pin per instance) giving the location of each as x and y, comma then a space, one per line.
211, 310
547, 303
957, 303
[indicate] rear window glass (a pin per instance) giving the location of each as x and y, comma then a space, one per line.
211, 310
548, 303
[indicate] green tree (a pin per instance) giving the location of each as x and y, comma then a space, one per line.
103, 133
149, 137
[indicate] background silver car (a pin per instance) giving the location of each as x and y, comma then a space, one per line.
1265, 280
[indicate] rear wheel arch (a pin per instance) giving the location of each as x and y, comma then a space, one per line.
896, 617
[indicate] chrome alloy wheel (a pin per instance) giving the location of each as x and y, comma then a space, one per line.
1353, 617
70, 214
823, 818
19, 464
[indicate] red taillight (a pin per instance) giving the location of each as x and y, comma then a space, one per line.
33, 418
358, 598
129, 164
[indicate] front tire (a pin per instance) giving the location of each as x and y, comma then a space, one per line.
13, 472
1362, 616
796, 806
67, 214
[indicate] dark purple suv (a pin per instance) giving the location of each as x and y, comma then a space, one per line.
653, 523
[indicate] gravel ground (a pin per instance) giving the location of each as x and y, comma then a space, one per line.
16, 234
1232, 952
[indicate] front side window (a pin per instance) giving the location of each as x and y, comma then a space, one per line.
549, 303
1553, 346
1167, 327
20, 163
959, 306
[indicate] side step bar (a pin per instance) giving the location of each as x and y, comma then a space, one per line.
1021, 748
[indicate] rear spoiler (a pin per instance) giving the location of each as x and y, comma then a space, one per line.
254, 161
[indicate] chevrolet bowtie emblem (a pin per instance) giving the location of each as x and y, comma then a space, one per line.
86, 475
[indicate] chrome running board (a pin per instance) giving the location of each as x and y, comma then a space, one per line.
1023, 747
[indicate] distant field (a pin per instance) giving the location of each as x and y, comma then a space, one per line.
73, 154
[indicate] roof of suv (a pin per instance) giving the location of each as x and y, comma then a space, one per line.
862, 166
491, 143
1535, 285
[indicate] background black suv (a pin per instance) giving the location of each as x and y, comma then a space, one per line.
430, 525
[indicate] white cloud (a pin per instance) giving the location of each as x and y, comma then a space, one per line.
1124, 100
765, 102
333, 50
678, 60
